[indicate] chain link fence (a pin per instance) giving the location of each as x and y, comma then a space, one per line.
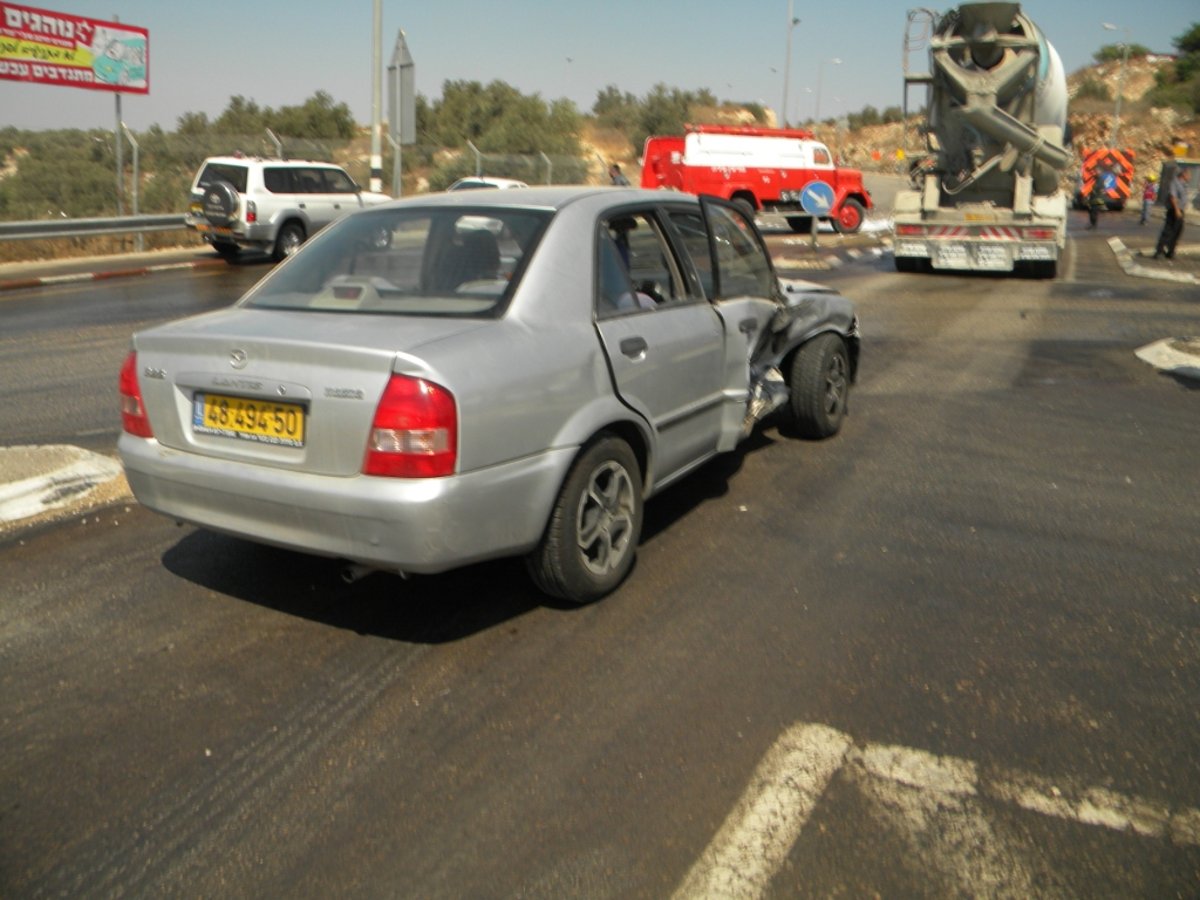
71, 174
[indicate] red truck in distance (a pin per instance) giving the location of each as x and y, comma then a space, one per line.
767, 168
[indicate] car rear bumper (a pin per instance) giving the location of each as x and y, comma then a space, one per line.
407, 525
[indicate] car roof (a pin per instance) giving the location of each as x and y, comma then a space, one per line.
268, 160
549, 198
483, 181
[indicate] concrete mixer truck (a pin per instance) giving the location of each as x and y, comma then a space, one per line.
985, 194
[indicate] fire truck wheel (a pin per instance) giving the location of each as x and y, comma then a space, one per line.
849, 218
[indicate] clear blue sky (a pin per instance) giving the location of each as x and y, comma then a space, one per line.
280, 52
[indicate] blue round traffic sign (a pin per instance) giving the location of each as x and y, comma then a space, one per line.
817, 198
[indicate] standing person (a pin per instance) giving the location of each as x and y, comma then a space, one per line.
616, 176
1173, 226
1149, 195
1095, 201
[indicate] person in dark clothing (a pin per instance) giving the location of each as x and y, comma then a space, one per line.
616, 176
1095, 202
1173, 225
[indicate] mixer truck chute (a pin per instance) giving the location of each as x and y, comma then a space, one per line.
985, 194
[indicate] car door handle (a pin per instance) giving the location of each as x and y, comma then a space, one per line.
748, 326
634, 347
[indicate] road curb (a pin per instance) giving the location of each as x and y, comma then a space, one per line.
1175, 356
41, 483
1128, 262
133, 272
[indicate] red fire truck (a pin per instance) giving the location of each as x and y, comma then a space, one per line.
768, 168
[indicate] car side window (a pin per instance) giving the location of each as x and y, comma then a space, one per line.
277, 180
741, 263
338, 182
690, 227
307, 181
637, 269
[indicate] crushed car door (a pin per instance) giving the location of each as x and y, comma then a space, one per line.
664, 343
736, 274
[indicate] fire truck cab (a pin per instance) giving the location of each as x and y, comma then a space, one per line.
768, 168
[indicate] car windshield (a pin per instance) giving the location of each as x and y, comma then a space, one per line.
462, 262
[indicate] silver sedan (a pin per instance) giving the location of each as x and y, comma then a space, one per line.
464, 376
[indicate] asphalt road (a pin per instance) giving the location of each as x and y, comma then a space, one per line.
952, 652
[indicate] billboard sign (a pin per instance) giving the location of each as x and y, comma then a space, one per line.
45, 47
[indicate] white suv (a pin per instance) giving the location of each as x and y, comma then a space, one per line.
272, 205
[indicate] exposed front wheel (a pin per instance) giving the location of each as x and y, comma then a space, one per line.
288, 241
592, 537
819, 383
849, 218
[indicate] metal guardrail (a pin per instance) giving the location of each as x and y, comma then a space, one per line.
64, 228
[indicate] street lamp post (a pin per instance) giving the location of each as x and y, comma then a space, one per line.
1108, 26
820, 70
787, 64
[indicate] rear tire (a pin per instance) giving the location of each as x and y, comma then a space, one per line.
819, 382
591, 539
288, 241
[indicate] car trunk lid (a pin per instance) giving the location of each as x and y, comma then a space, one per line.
296, 390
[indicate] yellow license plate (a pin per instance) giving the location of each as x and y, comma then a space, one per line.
265, 421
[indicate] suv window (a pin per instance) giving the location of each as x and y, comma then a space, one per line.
235, 175
278, 181
338, 182
307, 181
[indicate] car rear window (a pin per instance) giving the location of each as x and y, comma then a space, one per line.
463, 262
231, 172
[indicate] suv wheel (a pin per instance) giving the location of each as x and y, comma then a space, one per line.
291, 236
220, 203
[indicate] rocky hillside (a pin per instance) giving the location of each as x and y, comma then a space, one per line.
1151, 133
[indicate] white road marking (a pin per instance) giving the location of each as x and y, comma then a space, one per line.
916, 792
758, 835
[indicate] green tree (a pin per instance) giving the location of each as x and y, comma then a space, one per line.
1179, 83
1116, 52
240, 117
616, 109
318, 118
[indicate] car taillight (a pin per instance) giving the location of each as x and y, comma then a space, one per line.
1039, 234
415, 431
910, 230
133, 410
251, 211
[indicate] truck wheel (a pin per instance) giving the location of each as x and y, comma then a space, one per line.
592, 537
849, 218
819, 382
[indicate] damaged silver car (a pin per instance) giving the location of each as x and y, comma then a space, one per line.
453, 378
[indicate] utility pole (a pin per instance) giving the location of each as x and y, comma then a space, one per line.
377, 101
787, 65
